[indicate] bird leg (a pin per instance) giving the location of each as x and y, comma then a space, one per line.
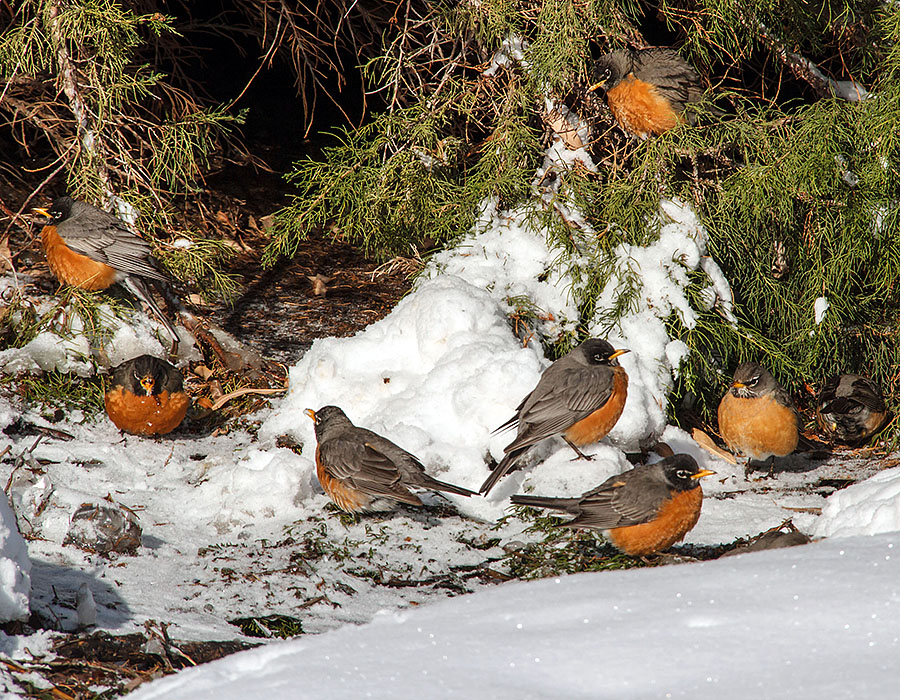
767, 465
581, 455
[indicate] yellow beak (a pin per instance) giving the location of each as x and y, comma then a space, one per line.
702, 473
738, 385
148, 384
596, 86
311, 413
42, 212
618, 353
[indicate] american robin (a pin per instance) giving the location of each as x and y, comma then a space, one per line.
644, 510
362, 471
580, 397
756, 416
850, 408
648, 89
146, 396
89, 248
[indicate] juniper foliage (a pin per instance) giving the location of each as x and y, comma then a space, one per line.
81, 76
791, 162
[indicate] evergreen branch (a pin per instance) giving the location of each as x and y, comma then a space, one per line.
69, 78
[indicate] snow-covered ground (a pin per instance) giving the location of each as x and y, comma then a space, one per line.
234, 526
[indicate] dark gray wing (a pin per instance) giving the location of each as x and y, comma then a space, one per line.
350, 457
105, 238
627, 499
866, 392
563, 397
675, 78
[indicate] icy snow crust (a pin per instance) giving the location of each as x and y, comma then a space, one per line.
819, 621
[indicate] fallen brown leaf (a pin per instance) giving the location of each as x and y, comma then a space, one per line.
706, 442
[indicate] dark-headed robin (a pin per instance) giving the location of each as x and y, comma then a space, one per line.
756, 416
146, 396
850, 408
579, 397
643, 511
89, 248
647, 90
361, 471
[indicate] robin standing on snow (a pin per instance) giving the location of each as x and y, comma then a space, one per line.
850, 408
89, 248
644, 510
146, 396
362, 471
647, 90
756, 416
580, 397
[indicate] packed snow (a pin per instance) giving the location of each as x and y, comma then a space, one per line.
809, 622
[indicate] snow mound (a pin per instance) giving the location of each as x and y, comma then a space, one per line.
437, 376
867, 508
806, 622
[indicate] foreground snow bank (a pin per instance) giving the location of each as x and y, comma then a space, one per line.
15, 567
808, 622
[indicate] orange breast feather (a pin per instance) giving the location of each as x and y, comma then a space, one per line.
347, 498
757, 428
73, 268
640, 109
596, 426
146, 415
675, 519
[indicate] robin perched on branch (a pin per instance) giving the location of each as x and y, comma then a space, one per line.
146, 396
644, 510
756, 415
580, 397
850, 408
647, 90
361, 471
89, 248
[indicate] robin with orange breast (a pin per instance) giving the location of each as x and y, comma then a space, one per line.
579, 397
647, 90
644, 510
146, 396
757, 417
89, 248
850, 408
361, 471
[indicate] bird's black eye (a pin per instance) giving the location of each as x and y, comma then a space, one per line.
753, 381
682, 474
599, 358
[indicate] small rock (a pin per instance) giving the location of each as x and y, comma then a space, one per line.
103, 529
